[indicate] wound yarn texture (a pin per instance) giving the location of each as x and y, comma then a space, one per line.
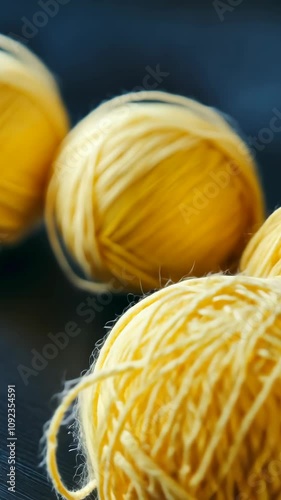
151, 187
183, 401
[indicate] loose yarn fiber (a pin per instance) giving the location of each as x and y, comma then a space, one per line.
262, 255
184, 399
33, 122
148, 188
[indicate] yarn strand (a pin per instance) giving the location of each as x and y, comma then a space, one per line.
68, 399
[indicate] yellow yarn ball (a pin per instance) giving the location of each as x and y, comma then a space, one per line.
33, 123
262, 255
149, 188
184, 399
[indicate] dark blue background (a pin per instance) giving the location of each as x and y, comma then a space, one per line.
98, 50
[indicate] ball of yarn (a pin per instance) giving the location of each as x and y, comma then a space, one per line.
33, 123
262, 255
183, 401
151, 187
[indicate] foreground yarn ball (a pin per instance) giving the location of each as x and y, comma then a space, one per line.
151, 187
262, 255
33, 123
184, 399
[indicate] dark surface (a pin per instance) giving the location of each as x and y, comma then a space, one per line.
98, 50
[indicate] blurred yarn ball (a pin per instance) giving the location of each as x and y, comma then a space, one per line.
33, 122
262, 255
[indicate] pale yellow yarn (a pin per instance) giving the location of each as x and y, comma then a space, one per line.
33, 122
262, 256
128, 190
184, 399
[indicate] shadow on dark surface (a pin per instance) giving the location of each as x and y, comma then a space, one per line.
37, 355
